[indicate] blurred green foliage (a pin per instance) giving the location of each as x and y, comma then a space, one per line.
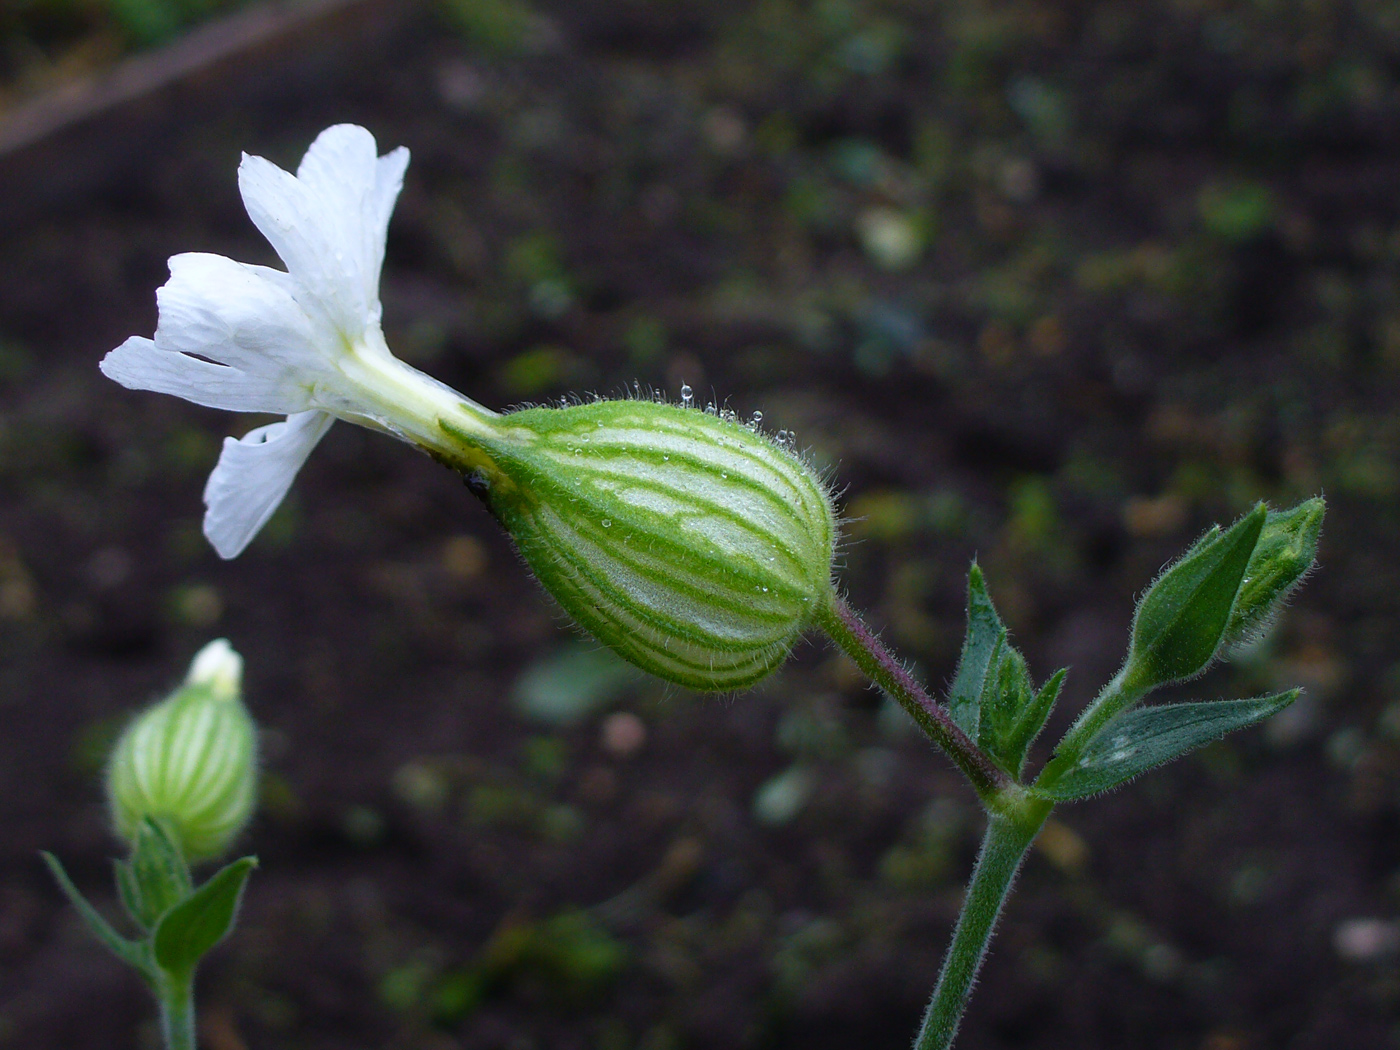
500, 26
49, 25
565, 960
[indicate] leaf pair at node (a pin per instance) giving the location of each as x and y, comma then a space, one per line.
993, 699
180, 922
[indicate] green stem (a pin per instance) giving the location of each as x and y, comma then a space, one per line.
859, 642
1008, 838
1117, 696
176, 997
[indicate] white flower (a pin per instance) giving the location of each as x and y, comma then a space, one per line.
306, 343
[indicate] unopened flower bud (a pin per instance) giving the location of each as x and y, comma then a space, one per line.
190, 760
1283, 556
1181, 621
693, 546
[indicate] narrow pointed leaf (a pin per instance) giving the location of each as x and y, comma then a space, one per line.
1284, 554
986, 700
1006, 692
129, 893
130, 952
191, 928
1139, 740
985, 634
159, 870
1032, 721
1180, 623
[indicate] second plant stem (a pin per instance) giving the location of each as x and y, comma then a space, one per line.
176, 998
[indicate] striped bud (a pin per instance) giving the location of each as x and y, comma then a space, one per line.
190, 760
691, 545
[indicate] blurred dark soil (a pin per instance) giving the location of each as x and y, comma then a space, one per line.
1052, 285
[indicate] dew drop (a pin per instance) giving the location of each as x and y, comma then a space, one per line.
756, 418
687, 395
607, 524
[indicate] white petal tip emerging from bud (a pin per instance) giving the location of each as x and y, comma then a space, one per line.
220, 668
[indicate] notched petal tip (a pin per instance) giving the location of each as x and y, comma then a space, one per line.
130, 364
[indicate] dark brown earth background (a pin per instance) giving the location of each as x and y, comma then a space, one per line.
1055, 285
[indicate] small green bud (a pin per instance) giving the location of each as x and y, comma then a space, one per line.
190, 761
690, 544
1180, 623
1285, 553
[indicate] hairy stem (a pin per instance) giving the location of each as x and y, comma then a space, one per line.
1004, 846
859, 642
1117, 696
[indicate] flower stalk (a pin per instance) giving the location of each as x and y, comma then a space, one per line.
877, 663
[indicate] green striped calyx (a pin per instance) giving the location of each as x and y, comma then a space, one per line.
190, 761
695, 547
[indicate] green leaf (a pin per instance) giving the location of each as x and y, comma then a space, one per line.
1285, 553
993, 698
133, 953
191, 928
1006, 690
984, 638
1032, 719
1138, 740
129, 893
156, 878
1180, 623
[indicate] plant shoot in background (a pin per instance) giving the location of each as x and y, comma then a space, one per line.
181, 786
695, 546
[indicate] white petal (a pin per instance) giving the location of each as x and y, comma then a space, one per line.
343, 168
304, 230
388, 182
329, 220
253, 475
138, 364
243, 316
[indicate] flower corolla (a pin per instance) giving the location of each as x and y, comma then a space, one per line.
305, 343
